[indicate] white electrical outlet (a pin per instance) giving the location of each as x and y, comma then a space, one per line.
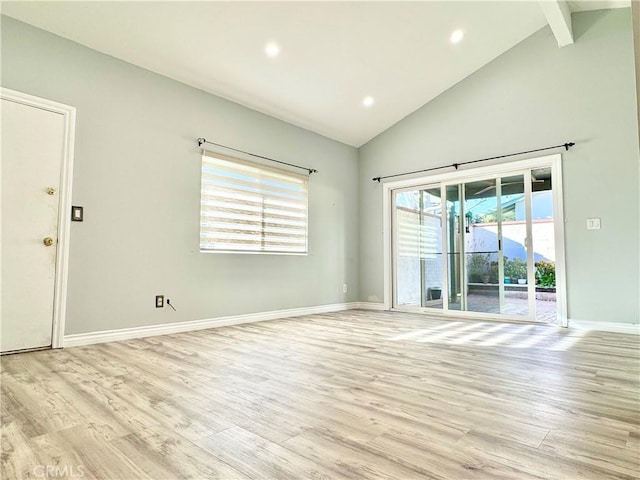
344, 288
593, 224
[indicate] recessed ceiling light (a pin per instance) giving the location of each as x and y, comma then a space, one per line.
457, 36
368, 101
272, 49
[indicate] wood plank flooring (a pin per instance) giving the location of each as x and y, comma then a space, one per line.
347, 395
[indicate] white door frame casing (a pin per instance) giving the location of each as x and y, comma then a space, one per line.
64, 206
504, 168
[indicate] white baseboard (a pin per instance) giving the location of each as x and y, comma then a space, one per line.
78, 339
633, 328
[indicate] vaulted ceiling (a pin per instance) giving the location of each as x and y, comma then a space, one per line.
330, 55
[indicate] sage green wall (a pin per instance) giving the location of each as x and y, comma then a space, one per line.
137, 174
635, 15
536, 95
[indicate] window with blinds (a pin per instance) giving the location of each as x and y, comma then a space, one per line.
248, 207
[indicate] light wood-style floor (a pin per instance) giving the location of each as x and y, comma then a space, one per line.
357, 394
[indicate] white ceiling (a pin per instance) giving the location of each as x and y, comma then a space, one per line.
333, 54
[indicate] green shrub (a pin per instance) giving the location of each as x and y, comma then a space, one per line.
546, 273
478, 267
493, 272
515, 268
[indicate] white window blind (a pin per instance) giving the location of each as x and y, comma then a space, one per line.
248, 207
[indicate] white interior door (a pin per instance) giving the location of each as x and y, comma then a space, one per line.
32, 154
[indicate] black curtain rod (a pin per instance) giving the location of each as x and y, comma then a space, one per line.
567, 146
201, 141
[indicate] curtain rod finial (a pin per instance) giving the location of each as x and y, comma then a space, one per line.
568, 145
201, 141
376, 179
312, 170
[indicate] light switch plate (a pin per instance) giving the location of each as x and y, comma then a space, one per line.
593, 224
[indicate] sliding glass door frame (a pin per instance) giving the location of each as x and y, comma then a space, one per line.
498, 171
395, 241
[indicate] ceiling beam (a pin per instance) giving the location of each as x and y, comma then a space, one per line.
558, 16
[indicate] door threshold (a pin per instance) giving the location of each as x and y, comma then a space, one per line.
479, 318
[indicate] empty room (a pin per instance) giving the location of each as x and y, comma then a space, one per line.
320, 240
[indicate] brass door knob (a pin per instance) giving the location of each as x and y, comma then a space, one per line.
48, 241
51, 191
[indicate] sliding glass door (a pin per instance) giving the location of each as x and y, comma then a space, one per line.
466, 246
489, 211
418, 241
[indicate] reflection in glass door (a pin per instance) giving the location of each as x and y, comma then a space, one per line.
418, 247
496, 283
482, 246
455, 245
467, 246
